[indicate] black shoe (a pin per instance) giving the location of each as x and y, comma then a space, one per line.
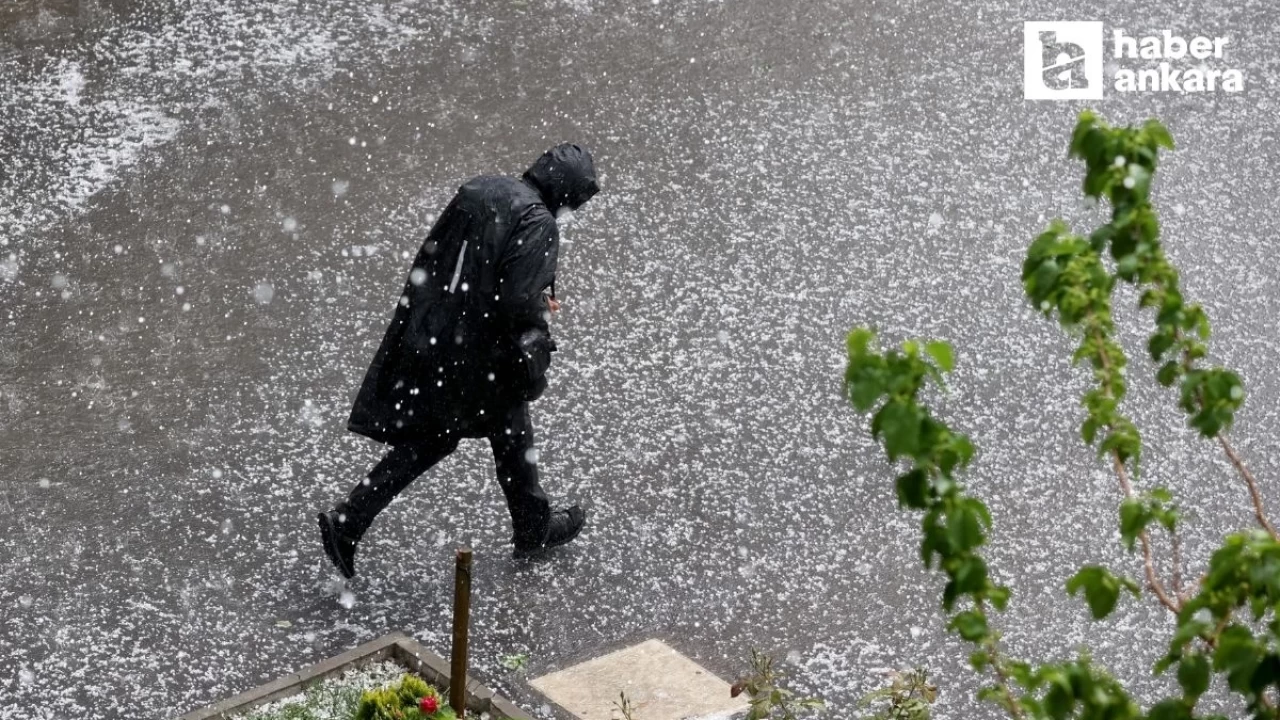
563, 527
340, 548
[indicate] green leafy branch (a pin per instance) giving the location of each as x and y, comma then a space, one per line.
769, 698
1230, 625
955, 525
1120, 165
907, 697
1065, 273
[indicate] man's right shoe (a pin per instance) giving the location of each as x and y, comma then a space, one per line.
340, 548
563, 527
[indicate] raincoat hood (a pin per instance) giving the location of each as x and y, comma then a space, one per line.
564, 177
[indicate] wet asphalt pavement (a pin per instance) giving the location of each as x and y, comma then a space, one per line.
206, 213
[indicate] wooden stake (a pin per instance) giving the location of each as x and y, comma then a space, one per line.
461, 626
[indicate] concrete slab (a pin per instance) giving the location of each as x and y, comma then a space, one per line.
660, 682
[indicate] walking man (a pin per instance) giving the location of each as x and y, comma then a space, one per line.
467, 351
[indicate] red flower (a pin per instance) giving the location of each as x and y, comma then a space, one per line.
429, 704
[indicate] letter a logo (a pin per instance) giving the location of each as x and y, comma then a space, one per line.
1062, 60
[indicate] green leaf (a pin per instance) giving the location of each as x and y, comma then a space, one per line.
1128, 266
865, 391
1141, 181
999, 597
1168, 373
942, 354
971, 575
1101, 589
913, 489
1193, 675
964, 527
1159, 344
859, 341
970, 625
1089, 430
1158, 134
1173, 709
900, 424
1060, 700
1237, 655
1134, 517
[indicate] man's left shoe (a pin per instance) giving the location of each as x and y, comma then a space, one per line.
340, 548
563, 527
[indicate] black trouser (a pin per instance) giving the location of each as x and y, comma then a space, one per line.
511, 438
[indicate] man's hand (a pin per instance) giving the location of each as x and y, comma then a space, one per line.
553, 303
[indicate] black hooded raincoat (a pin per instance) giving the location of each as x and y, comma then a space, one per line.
470, 337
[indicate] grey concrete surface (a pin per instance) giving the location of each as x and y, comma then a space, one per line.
205, 211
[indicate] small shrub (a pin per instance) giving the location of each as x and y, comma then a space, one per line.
406, 700
769, 699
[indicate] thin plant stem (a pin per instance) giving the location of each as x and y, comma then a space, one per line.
1251, 483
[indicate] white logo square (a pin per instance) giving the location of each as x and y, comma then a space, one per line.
1062, 60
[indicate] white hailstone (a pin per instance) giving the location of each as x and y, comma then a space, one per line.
179, 290
217, 473
25, 601
1120, 161
96, 360
43, 483
59, 281
26, 677
340, 187
65, 294
289, 224
531, 456
1129, 182
347, 599
118, 249
404, 302
226, 209
1237, 392
351, 140
916, 632
227, 526
491, 377
263, 292
433, 341
794, 657
723, 337
417, 276
935, 220
465, 287
200, 240
186, 307
124, 425
168, 269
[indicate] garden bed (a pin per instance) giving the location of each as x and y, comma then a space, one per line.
395, 648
